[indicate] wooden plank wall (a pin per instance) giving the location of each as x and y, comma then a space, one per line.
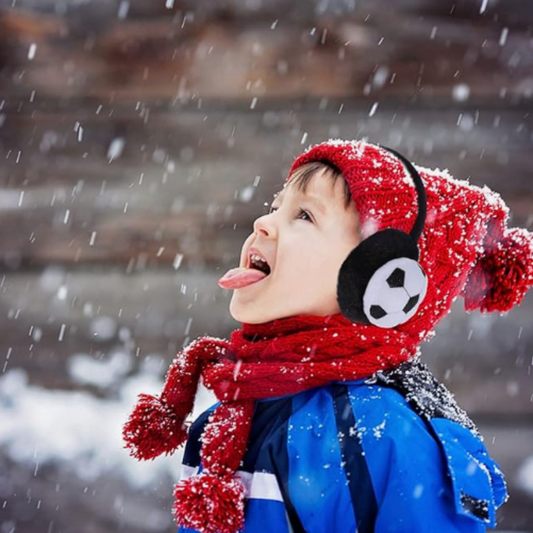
139, 139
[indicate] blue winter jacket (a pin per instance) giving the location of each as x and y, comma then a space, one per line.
355, 457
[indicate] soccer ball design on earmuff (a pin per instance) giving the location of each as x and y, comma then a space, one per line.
381, 281
394, 292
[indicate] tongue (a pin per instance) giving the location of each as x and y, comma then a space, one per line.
237, 278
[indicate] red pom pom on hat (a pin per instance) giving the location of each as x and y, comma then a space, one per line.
502, 275
209, 503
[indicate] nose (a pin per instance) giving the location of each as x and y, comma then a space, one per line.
265, 226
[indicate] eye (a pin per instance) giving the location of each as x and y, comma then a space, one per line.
302, 213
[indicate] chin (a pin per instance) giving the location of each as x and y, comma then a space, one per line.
245, 314
247, 318
239, 312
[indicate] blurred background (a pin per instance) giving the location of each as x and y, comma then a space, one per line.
138, 141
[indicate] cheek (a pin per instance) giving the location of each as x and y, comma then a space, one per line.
328, 267
306, 267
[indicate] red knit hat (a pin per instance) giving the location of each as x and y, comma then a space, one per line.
465, 248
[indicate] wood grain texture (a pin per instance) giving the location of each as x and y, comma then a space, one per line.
415, 52
193, 182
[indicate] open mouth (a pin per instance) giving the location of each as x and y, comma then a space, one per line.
258, 263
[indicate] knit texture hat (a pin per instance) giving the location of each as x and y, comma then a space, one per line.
466, 247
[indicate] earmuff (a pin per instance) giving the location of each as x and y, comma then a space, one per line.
381, 281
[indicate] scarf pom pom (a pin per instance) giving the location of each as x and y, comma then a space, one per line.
210, 504
153, 429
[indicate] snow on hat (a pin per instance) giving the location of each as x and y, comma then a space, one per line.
466, 247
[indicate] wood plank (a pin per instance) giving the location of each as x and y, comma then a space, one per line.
184, 182
463, 140
411, 54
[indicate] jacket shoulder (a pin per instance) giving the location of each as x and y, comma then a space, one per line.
438, 452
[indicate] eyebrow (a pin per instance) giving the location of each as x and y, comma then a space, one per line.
313, 198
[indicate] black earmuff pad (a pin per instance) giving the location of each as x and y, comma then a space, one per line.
363, 261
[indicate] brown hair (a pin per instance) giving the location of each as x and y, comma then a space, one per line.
303, 175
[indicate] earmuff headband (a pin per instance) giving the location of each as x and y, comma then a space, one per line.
420, 191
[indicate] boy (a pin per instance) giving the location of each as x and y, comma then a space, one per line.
328, 421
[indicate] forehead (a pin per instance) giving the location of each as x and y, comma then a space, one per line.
320, 187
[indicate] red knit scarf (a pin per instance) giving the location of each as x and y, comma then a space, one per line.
260, 361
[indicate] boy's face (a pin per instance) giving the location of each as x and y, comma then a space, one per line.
305, 239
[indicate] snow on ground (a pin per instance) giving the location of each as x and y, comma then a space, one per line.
525, 476
78, 429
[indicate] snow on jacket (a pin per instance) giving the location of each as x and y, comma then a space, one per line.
356, 457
